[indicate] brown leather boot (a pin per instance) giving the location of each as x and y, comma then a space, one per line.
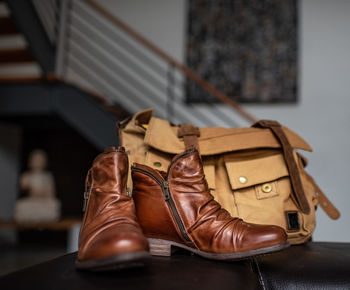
176, 209
110, 236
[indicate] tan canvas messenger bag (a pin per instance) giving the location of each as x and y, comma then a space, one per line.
255, 173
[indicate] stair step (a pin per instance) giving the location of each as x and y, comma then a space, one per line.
28, 69
15, 55
20, 79
12, 41
4, 11
8, 26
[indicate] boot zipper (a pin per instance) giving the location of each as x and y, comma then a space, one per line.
168, 198
87, 190
86, 197
171, 203
88, 187
147, 173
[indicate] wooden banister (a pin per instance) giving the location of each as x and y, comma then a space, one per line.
172, 61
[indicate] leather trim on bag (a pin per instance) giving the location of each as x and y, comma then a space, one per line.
324, 202
214, 140
292, 221
189, 133
297, 186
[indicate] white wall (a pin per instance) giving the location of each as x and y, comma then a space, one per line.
322, 115
161, 21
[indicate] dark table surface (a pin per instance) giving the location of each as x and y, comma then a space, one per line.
311, 266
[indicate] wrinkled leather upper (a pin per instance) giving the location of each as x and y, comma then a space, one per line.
152, 211
210, 227
110, 226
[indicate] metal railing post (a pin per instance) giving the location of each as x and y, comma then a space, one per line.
170, 92
193, 76
62, 38
57, 21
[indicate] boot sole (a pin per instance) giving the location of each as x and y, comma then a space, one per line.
117, 262
159, 247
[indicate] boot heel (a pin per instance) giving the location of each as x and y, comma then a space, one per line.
159, 247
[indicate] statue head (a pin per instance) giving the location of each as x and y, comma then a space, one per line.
37, 160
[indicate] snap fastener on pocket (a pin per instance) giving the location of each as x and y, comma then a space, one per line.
266, 188
157, 164
243, 179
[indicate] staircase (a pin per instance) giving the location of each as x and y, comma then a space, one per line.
16, 60
92, 69
29, 87
133, 71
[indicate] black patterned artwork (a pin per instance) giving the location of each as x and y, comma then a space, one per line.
246, 48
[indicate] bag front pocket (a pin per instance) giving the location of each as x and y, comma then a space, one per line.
261, 189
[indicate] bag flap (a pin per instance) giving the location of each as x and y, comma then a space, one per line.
214, 140
245, 173
134, 125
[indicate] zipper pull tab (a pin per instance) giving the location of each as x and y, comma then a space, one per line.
166, 190
87, 189
86, 197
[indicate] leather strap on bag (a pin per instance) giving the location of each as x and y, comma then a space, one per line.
324, 202
297, 186
189, 133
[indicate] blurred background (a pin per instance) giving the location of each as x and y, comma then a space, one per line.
70, 69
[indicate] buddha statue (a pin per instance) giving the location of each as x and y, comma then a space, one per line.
40, 204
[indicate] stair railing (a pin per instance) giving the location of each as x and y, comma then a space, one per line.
48, 12
97, 50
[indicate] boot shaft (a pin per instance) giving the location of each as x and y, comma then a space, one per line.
109, 171
152, 210
105, 190
168, 203
110, 229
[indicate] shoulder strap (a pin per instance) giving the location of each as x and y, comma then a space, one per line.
324, 202
297, 186
190, 134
